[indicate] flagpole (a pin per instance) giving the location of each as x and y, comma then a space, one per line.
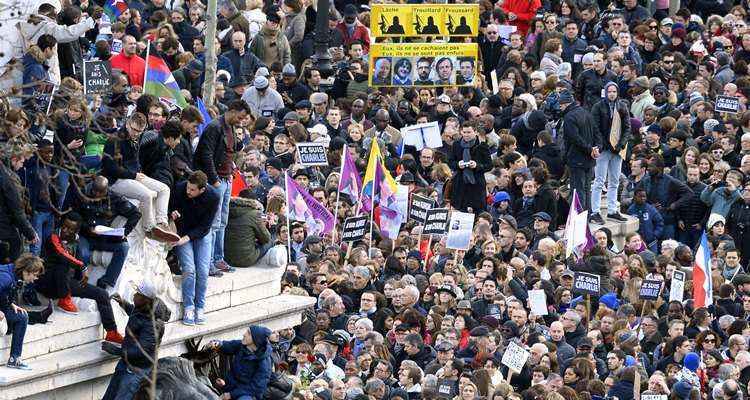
338, 193
288, 222
145, 73
372, 210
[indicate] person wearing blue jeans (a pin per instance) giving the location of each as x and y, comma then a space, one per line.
43, 223
26, 268
218, 227
119, 250
214, 156
195, 199
611, 117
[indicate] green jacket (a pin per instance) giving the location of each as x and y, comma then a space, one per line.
246, 232
95, 143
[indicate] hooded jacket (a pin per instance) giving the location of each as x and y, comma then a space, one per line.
7, 285
34, 70
245, 222
141, 339
251, 370
269, 46
602, 114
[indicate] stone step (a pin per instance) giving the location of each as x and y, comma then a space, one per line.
64, 331
82, 372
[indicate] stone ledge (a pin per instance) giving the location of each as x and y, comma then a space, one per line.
87, 362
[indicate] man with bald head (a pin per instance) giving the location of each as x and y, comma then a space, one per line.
384, 132
100, 206
565, 352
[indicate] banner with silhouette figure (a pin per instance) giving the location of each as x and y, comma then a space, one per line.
402, 20
423, 64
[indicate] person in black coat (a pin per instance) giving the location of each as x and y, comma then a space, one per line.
549, 152
13, 220
471, 159
609, 163
581, 146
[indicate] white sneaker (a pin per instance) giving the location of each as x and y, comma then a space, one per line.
200, 317
188, 317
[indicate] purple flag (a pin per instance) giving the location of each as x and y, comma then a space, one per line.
577, 232
301, 206
350, 182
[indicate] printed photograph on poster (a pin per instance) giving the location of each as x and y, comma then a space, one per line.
424, 67
466, 71
382, 71
445, 71
402, 72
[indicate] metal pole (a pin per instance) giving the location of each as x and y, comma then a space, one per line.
210, 59
321, 58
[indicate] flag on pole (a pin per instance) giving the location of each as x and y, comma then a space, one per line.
350, 183
113, 9
238, 183
301, 206
578, 237
370, 183
204, 113
161, 83
702, 285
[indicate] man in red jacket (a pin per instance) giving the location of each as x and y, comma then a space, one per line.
351, 29
129, 62
520, 13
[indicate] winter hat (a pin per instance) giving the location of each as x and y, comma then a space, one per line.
695, 97
262, 71
564, 70
587, 58
536, 120
698, 47
289, 70
691, 361
642, 82
529, 99
679, 32
574, 303
710, 124
714, 218
500, 197
606, 86
682, 390
260, 82
610, 300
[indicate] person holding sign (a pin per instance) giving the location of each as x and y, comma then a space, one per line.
470, 158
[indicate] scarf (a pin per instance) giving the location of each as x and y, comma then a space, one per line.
468, 174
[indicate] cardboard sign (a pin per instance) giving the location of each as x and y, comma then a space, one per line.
677, 287
436, 221
423, 64
354, 229
538, 302
515, 357
460, 230
312, 154
587, 283
419, 207
650, 289
97, 77
422, 135
727, 104
399, 20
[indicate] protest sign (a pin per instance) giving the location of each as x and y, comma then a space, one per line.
423, 64
515, 357
677, 288
399, 20
654, 397
436, 221
538, 302
402, 202
459, 231
419, 207
587, 283
116, 46
312, 154
727, 104
97, 77
354, 229
422, 135
650, 289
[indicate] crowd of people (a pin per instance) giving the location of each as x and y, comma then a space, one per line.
640, 110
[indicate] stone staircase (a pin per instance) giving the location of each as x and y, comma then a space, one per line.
66, 354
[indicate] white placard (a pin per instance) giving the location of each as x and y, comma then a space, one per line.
504, 31
460, 230
538, 302
653, 397
677, 288
515, 357
402, 201
422, 135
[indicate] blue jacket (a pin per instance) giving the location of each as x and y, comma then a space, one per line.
250, 371
650, 221
7, 285
34, 70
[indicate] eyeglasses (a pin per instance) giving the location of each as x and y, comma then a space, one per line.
550, 22
668, 61
712, 340
653, 27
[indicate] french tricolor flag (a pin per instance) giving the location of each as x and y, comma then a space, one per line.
702, 285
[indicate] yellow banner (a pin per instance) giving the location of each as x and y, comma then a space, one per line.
423, 64
402, 20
